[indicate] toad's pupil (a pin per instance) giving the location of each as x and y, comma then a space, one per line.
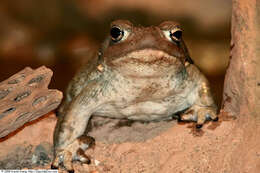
116, 33
176, 34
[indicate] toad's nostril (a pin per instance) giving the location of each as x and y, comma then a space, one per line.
148, 41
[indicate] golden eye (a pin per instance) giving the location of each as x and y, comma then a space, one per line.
176, 34
116, 33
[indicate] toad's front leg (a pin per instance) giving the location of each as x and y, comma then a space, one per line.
69, 141
204, 107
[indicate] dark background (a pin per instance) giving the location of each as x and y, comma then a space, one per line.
59, 33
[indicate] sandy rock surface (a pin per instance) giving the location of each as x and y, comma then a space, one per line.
29, 146
228, 146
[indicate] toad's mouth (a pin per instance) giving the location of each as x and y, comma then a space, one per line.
147, 57
147, 63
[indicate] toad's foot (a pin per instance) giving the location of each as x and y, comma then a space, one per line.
73, 152
200, 115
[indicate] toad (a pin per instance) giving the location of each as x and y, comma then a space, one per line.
140, 73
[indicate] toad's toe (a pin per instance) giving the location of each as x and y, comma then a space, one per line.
199, 115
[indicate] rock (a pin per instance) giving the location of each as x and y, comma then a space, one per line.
25, 97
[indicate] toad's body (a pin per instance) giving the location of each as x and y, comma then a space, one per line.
141, 73
146, 98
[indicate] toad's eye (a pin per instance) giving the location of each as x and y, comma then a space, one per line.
174, 35
116, 33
